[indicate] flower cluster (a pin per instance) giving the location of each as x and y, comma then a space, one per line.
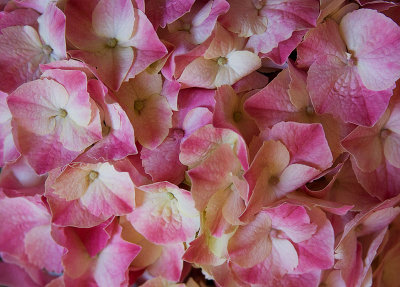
167, 143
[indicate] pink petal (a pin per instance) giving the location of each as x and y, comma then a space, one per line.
336, 88
207, 250
75, 83
366, 146
149, 253
19, 17
269, 162
24, 66
223, 210
112, 65
200, 73
205, 139
251, 244
363, 24
25, 213
79, 29
160, 282
108, 192
282, 23
38, 5
113, 19
392, 149
317, 252
244, 19
272, 104
68, 213
283, 259
323, 40
13, 275
118, 135
239, 65
170, 90
229, 113
146, 52
314, 150
281, 53
41, 152
41, 249
382, 183
8, 150
104, 269
224, 275
162, 163
95, 238
252, 81
213, 174
293, 221
349, 256
72, 130
169, 265
163, 12
111, 270
146, 109
19, 178
38, 111
164, 213
195, 119
52, 30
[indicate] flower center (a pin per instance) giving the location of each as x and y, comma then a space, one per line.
93, 175
170, 196
62, 113
310, 111
259, 4
351, 59
112, 43
222, 61
186, 27
47, 49
138, 105
385, 133
237, 116
273, 180
105, 130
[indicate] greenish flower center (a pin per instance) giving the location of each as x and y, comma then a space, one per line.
273, 180
62, 113
237, 116
93, 175
138, 105
112, 43
222, 61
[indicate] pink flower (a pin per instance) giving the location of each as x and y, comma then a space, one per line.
164, 213
269, 23
8, 150
34, 47
54, 119
281, 242
107, 33
99, 188
161, 13
342, 79
148, 111
159, 260
223, 63
26, 239
282, 164
90, 257
287, 98
118, 135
